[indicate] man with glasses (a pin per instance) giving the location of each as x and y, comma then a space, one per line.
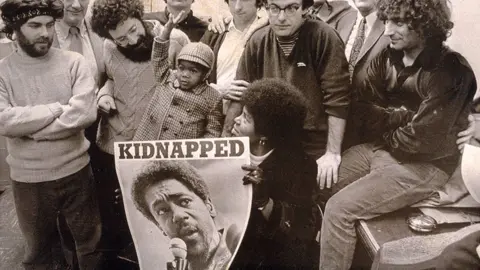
310, 55
125, 96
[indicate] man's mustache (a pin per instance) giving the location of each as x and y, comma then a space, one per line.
186, 229
42, 40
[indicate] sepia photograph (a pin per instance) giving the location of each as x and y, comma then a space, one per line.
239, 134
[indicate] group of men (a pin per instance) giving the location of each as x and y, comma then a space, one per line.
379, 79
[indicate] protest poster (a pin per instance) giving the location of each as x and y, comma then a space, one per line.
187, 190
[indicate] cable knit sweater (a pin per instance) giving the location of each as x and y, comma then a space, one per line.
45, 103
132, 85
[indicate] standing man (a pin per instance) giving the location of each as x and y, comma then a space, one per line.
310, 55
228, 46
364, 40
73, 32
124, 97
47, 99
190, 25
337, 14
417, 96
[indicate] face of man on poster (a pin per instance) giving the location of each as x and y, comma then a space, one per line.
180, 213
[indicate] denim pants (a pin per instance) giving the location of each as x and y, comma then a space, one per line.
38, 205
374, 183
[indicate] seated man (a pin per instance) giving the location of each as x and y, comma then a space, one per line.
175, 198
416, 98
189, 24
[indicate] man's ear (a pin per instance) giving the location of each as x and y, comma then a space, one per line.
210, 207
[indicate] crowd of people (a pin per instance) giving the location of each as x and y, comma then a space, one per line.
351, 113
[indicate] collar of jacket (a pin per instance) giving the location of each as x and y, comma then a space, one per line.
197, 90
431, 57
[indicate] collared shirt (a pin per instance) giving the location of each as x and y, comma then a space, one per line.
368, 27
65, 38
231, 50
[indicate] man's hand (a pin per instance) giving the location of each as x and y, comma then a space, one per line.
106, 104
254, 176
218, 22
235, 90
328, 169
466, 135
171, 23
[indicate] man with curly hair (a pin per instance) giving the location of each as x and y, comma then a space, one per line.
173, 196
416, 98
47, 99
125, 96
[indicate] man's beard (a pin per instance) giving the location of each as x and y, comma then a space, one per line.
200, 250
140, 52
29, 46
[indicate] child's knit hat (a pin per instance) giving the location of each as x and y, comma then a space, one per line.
199, 53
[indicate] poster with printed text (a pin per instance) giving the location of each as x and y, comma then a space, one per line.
186, 205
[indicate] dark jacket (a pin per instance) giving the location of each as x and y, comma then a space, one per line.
286, 238
337, 14
191, 25
416, 112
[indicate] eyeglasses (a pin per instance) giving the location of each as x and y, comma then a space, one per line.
289, 10
123, 40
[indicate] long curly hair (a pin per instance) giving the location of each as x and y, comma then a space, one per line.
107, 14
429, 18
17, 12
278, 110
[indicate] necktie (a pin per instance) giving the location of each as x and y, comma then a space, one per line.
76, 40
357, 45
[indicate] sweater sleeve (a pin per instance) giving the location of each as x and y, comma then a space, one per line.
19, 121
333, 73
81, 110
108, 87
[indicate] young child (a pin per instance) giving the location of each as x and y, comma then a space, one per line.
184, 106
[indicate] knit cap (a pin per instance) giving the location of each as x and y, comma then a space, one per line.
199, 53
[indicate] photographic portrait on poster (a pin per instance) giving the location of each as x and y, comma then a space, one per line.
185, 195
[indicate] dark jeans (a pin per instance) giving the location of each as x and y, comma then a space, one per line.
39, 204
116, 237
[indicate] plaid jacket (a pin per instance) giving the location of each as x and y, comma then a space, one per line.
176, 114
